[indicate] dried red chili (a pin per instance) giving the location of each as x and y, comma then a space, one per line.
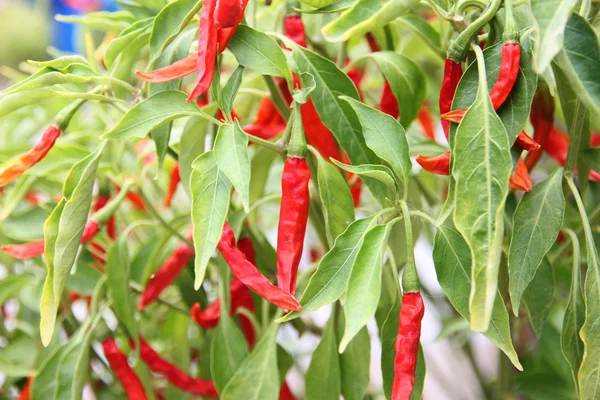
407, 345
250, 276
521, 180
127, 376
174, 375
542, 119
174, 180
166, 274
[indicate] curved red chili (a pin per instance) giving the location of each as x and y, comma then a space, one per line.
127, 376
174, 375
388, 103
426, 122
268, 123
407, 345
439, 165
178, 69
293, 27
542, 119
250, 276
293, 217
526, 143
557, 146
452, 74
174, 180
166, 274
521, 180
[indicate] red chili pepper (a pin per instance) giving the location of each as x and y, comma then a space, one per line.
110, 225
98, 254
34, 198
388, 103
250, 276
557, 146
293, 27
127, 376
526, 143
542, 119
424, 118
373, 45
207, 49
285, 393
174, 180
452, 74
293, 217
166, 274
407, 345
136, 200
439, 165
521, 180
26, 390
18, 166
174, 375
177, 70
268, 123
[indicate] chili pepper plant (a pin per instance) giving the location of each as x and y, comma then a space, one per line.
248, 199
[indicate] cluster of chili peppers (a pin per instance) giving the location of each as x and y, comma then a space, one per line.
124, 373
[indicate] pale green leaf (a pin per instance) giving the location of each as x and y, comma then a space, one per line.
355, 362
132, 34
231, 153
101, 20
323, 378
228, 351
169, 23
377, 172
536, 224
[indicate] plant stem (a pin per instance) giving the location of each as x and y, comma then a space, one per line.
160, 219
139, 290
277, 97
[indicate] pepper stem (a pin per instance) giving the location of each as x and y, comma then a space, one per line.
103, 215
297, 144
459, 48
410, 279
511, 30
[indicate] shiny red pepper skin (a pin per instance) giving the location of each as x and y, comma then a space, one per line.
250, 276
174, 180
207, 49
407, 345
293, 217
174, 375
166, 274
36, 249
388, 103
509, 72
177, 70
293, 27
452, 74
19, 165
128, 378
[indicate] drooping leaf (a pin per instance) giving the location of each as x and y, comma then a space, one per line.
231, 89
169, 23
324, 377
331, 279
210, 190
228, 351
130, 35
355, 363
452, 260
380, 173
258, 377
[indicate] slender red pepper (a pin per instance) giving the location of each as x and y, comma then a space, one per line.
174, 180
136, 200
250, 276
542, 119
127, 376
269, 122
521, 180
439, 165
293, 27
407, 345
177, 70
110, 225
373, 45
166, 274
557, 146
526, 143
424, 118
285, 393
452, 74
388, 103
174, 374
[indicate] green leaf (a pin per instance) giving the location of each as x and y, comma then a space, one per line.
319, 3
117, 272
210, 190
338, 207
537, 222
581, 60
570, 342
12, 370
514, 113
550, 18
452, 260
337, 6
12, 284
44, 385
377, 172
323, 377
407, 81
385, 136
481, 167
355, 364
258, 376
337, 115
301, 96
331, 279
169, 23
424, 30
231, 153
364, 285
228, 351
592, 158
365, 16
59, 157
132, 34
152, 112
101, 20
16, 101
259, 52
539, 295
230, 90
62, 237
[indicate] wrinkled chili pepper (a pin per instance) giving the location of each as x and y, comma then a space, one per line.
542, 119
440, 165
91, 228
127, 376
407, 345
166, 274
295, 201
452, 74
521, 180
250, 276
174, 375
509, 67
557, 146
174, 180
